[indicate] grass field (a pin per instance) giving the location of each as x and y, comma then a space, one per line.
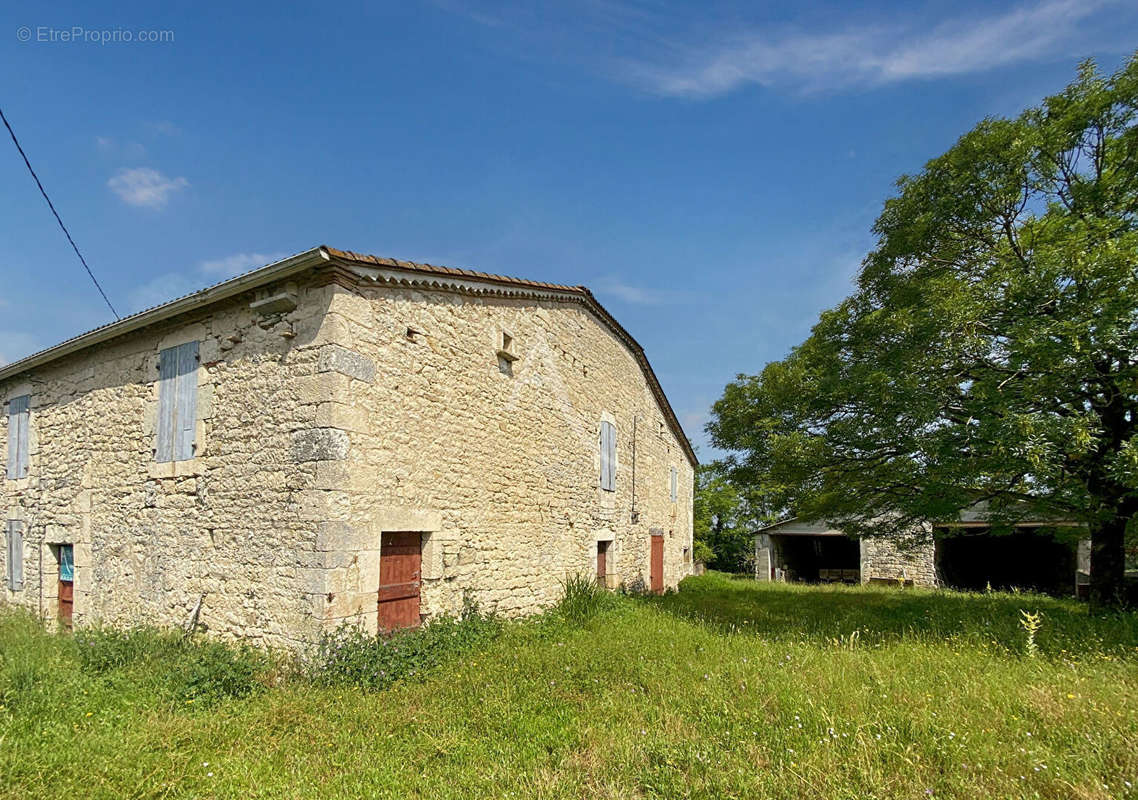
727, 689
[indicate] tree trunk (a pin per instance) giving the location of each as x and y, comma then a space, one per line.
1108, 563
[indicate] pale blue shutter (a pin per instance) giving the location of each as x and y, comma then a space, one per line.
608, 456
604, 455
15, 555
167, 388
674, 484
177, 402
612, 457
13, 440
19, 414
186, 402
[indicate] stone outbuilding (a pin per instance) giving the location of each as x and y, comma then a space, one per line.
339, 438
966, 554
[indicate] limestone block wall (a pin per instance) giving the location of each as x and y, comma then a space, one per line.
495, 461
233, 527
884, 559
472, 419
880, 558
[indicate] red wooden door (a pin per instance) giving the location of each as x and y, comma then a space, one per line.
66, 602
400, 560
602, 563
657, 565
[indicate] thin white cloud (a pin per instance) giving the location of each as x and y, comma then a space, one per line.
15, 345
693, 422
165, 127
171, 285
161, 289
870, 55
145, 187
115, 148
613, 286
238, 262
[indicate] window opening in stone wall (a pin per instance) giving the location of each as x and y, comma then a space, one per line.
14, 541
65, 555
177, 403
603, 565
19, 414
506, 356
608, 456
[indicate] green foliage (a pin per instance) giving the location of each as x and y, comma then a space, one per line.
186, 673
582, 598
1031, 622
728, 688
350, 657
988, 350
187, 670
725, 518
702, 552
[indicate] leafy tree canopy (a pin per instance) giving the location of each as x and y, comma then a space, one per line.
725, 519
988, 350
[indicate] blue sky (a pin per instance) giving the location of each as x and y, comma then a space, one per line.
711, 171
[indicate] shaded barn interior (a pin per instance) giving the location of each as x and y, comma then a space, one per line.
1027, 558
814, 559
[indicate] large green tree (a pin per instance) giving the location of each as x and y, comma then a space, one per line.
726, 517
988, 350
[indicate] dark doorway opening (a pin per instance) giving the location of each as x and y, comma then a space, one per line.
1025, 559
603, 563
818, 559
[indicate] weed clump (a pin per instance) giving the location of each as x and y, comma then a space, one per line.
582, 598
349, 657
186, 669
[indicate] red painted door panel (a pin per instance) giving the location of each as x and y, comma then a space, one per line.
602, 562
657, 566
400, 561
66, 602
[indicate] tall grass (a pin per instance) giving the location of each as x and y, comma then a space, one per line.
727, 688
350, 657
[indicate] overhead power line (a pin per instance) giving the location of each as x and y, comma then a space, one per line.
63, 227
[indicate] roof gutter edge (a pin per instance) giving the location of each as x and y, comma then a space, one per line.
221, 291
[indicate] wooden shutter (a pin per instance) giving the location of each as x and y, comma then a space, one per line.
608, 456
15, 555
612, 457
167, 380
186, 411
177, 402
604, 455
19, 413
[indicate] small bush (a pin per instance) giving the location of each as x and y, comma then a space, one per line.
348, 656
702, 552
105, 649
582, 598
184, 669
211, 671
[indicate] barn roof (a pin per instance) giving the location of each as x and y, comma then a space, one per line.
329, 256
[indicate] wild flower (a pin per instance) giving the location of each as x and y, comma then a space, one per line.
1031, 623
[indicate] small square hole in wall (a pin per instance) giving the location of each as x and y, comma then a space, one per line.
506, 357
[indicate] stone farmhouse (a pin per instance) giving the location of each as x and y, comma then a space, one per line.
963, 555
339, 438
